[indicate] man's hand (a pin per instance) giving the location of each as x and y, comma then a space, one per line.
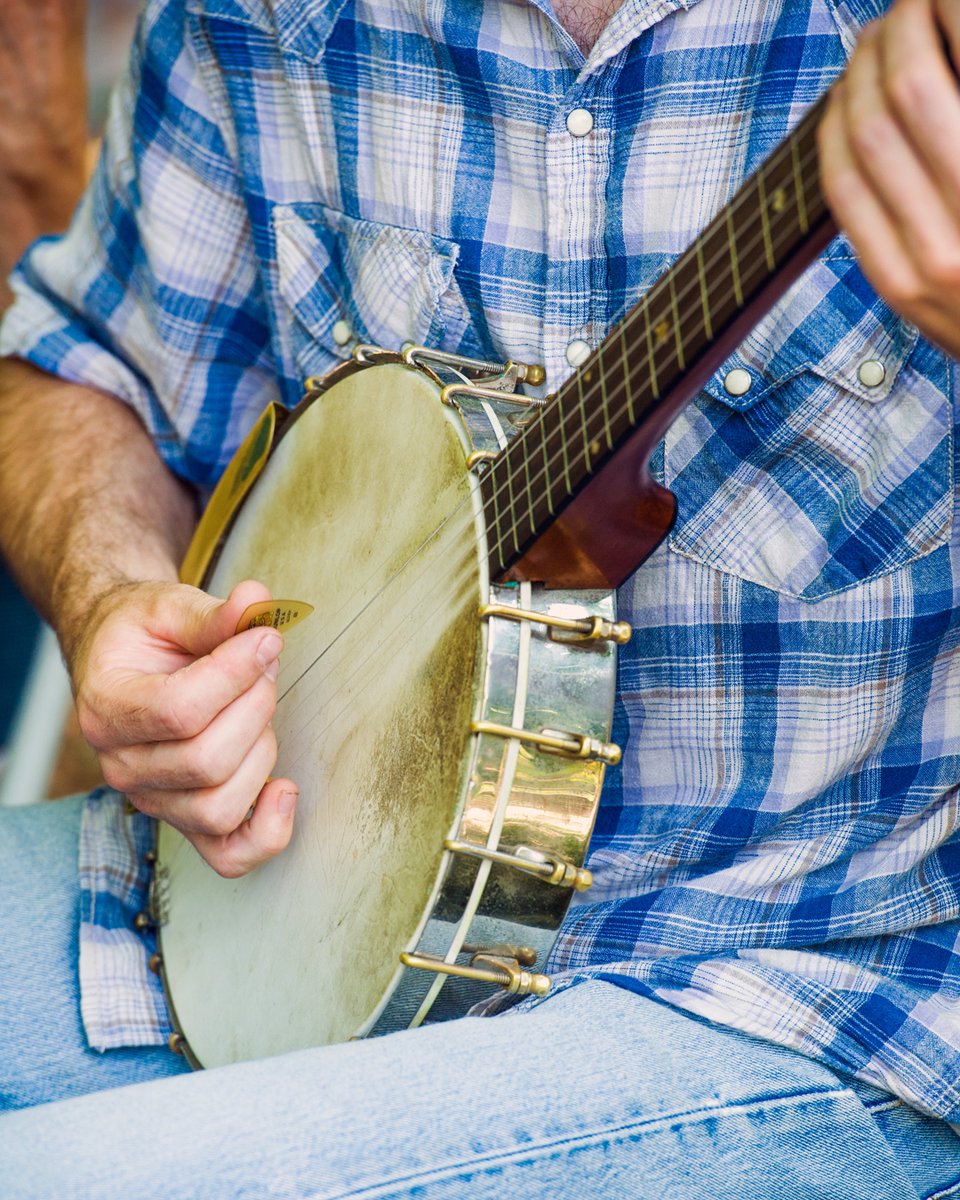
890, 160
178, 706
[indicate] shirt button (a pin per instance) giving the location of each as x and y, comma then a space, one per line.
737, 382
579, 122
871, 373
342, 333
578, 352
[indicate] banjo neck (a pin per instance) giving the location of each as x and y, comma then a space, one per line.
571, 502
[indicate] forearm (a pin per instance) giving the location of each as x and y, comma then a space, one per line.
175, 701
86, 504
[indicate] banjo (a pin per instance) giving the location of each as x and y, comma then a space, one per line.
446, 710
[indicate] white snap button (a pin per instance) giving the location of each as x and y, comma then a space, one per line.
579, 122
578, 352
871, 373
737, 382
342, 333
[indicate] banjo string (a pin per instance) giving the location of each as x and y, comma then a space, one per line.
360, 679
464, 570
447, 538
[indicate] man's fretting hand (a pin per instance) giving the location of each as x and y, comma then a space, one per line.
890, 166
179, 706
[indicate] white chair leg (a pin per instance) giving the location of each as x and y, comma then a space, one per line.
38, 726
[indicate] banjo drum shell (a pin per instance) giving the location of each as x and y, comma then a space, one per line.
366, 511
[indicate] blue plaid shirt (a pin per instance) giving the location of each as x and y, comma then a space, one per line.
779, 849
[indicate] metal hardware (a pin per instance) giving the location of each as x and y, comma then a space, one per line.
177, 1043
155, 963
500, 377
504, 972
548, 867
143, 921
555, 741
737, 382
474, 392
871, 373
159, 904
526, 956
150, 858
368, 355
580, 629
478, 457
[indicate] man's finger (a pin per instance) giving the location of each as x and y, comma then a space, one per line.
922, 88
861, 215
948, 19
886, 158
261, 838
135, 708
199, 622
214, 812
207, 760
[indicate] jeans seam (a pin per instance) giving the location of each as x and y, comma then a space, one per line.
881, 1106
627, 1131
951, 1190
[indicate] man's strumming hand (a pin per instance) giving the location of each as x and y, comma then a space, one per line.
178, 706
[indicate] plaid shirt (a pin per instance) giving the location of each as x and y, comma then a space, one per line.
779, 849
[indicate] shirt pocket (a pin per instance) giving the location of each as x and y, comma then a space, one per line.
835, 465
344, 281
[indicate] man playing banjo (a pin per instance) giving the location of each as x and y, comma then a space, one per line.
757, 995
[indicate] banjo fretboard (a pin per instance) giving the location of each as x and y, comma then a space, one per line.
661, 353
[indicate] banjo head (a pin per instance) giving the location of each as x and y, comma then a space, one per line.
366, 511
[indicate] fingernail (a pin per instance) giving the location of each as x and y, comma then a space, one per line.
272, 671
269, 648
286, 802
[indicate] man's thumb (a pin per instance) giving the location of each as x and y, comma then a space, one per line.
208, 621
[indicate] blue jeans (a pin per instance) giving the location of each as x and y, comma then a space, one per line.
596, 1092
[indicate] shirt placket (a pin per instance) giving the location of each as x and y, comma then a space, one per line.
579, 148
576, 171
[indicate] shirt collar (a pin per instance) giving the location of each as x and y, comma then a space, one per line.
632, 18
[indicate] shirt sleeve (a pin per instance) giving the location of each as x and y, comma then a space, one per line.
155, 293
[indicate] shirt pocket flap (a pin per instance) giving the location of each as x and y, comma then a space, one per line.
381, 283
830, 322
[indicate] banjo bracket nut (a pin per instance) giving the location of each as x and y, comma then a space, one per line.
525, 956
555, 741
549, 867
567, 630
486, 968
